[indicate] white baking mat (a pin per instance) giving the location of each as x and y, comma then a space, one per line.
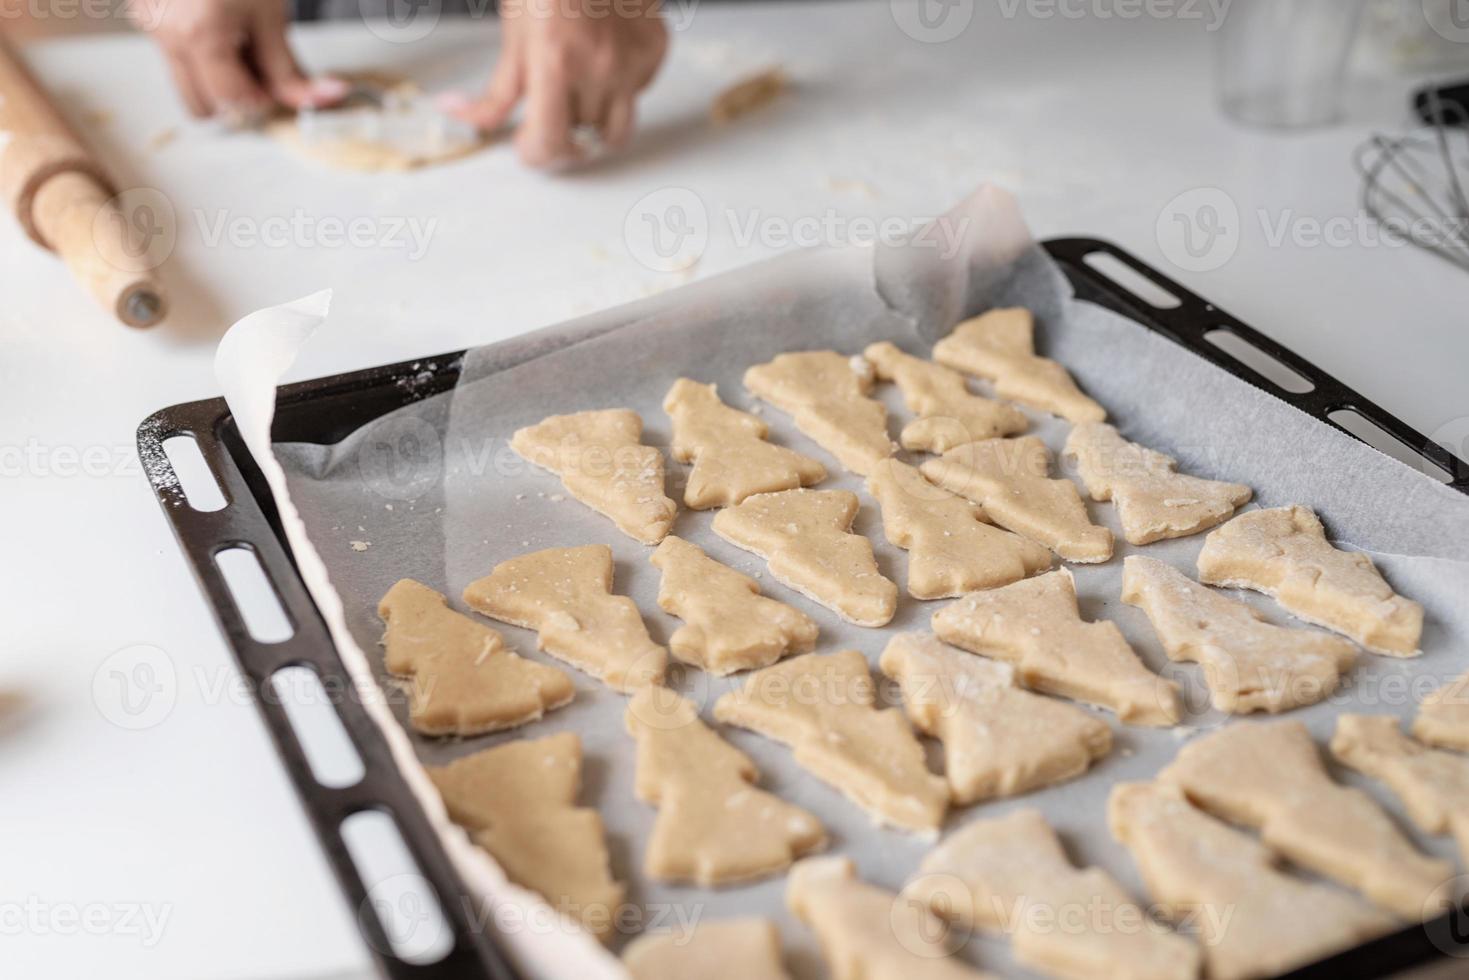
432, 492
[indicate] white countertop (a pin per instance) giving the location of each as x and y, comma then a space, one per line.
1096, 124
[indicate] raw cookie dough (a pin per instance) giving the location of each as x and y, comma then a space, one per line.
824, 707
1284, 553
1249, 663
603, 463
1153, 500
747, 95
867, 933
1253, 919
1009, 479
731, 458
1443, 717
951, 549
1433, 785
1000, 346
565, 595
1011, 876
948, 413
518, 801
465, 680
825, 394
728, 624
714, 826
405, 133
1269, 776
998, 740
1036, 626
805, 536
728, 949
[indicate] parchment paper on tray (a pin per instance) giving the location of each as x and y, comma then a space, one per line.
434, 493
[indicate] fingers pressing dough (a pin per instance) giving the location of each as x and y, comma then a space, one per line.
1284, 553
465, 680
603, 463
1036, 626
1000, 346
565, 594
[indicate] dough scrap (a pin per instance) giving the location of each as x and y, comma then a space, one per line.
1433, 784
748, 95
824, 707
714, 826
948, 413
1011, 876
1153, 500
728, 624
999, 740
827, 399
806, 539
565, 595
866, 932
1253, 919
728, 949
603, 463
951, 549
1036, 626
1000, 346
1249, 663
518, 801
1284, 553
465, 680
1009, 479
731, 458
1443, 717
1269, 776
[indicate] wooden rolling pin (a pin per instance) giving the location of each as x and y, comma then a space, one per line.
65, 202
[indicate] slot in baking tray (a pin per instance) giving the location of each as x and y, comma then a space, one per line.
325, 410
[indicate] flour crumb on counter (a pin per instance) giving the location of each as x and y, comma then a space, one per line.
360, 545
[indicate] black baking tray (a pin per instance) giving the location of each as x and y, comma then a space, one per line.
326, 410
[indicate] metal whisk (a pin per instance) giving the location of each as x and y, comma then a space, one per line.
1414, 185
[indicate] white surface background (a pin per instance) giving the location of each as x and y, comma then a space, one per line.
1096, 123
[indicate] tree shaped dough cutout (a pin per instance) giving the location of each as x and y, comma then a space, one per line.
602, 462
948, 413
714, 826
825, 394
518, 801
1249, 664
806, 540
1010, 479
1154, 501
1036, 626
465, 681
824, 706
565, 595
951, 549
732, 459
728, 624
1000, 347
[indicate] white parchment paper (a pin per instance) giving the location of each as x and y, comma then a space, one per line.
432, 492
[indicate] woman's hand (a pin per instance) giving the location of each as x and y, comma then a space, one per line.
575, 63
230, 57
